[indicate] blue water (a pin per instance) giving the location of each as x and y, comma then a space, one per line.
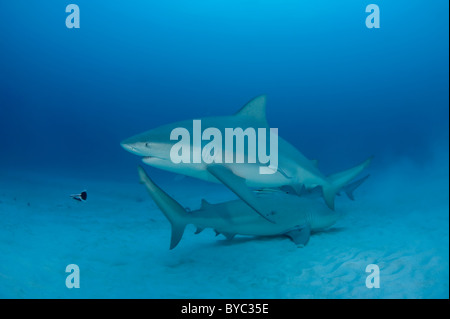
336, 90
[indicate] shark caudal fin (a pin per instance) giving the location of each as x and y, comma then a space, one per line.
350, 188
174, 212
337, 181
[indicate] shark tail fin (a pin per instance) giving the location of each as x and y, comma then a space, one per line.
350, 188
337, 181
173, 211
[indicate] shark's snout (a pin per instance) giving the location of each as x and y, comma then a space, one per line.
139, 145
127, 147
131, 147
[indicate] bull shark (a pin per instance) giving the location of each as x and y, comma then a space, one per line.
294, 170
297, 216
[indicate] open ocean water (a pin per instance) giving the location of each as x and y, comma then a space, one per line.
336, 90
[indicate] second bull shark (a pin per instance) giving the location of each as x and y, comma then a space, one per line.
297, 216
293, 170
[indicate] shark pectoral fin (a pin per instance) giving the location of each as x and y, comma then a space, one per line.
300, 236
177, 234
238, 186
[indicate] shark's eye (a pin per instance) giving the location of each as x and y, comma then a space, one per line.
147, 145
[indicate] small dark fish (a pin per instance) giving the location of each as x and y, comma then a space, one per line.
80, 197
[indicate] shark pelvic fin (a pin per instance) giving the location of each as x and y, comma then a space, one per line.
329, 193
299, 189
205, 204
255, 109
300, 236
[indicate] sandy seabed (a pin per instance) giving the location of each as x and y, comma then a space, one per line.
119, 240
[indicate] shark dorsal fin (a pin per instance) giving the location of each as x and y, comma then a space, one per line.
199, 230
205, 204
255, 109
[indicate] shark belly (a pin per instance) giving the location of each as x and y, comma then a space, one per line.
248, 171
236, 217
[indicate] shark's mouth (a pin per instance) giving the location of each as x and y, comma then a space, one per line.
149, 158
